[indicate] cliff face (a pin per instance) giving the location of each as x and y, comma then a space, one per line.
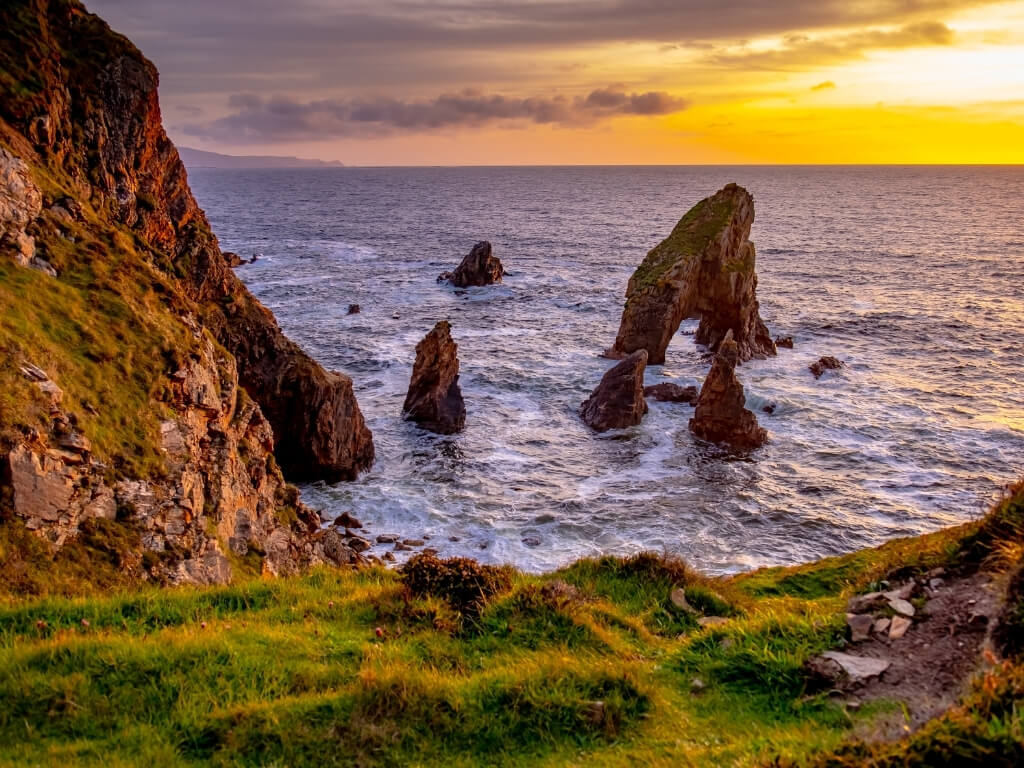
704, 269
115, 294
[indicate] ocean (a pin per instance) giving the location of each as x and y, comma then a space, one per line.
914, 276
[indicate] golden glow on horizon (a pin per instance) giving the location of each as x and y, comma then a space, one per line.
821, 96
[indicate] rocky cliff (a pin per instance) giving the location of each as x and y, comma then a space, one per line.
704, 269
177, 385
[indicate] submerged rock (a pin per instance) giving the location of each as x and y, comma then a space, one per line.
784, 342
435, 400
827, 363
354, 309
667, 392
618, 400
721, 415
479, 267
705, 269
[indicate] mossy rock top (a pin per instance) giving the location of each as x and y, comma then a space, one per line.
690, 237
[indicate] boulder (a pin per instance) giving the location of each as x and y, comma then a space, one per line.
785, 342
479, 267
435, 400
857, 668
618, 400
704, 269
667, 392
826, 363
721, 415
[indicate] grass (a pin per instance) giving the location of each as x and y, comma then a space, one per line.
688, 239
592, 664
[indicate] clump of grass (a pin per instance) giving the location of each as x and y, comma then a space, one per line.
464, 583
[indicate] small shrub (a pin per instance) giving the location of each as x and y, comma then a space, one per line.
464, 583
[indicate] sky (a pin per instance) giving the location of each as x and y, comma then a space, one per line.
503, 82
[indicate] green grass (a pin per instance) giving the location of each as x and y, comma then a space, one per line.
593, 664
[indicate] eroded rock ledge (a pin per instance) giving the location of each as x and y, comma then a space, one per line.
704, 269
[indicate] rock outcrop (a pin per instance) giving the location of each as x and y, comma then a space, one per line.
109, 142
618, 401
721, 415
826, 363
479, 267
667, 392
168, 389
704, 269
434, 400
221, 496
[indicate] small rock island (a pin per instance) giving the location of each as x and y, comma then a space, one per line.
434, 400
479, 267
618, 401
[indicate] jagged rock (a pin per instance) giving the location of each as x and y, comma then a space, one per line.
901, 606
434, 400
346, 520
667, 392
827, 363
857, 668
233, 259
618, 401
860, 626
721, 415
784, 342
479, 267
898, 627
705, 269
358, 543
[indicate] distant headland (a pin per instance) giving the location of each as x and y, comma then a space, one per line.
198, 158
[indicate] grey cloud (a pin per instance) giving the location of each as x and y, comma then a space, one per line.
800, 51
255, 119
370, 43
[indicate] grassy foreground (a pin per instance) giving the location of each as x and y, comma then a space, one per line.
451, 664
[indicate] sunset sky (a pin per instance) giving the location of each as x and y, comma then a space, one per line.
493, 82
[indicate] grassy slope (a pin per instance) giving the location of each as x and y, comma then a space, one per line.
292, 672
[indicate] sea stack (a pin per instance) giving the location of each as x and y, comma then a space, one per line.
618, 400
479, 267
435, 400
704, 269
721, 415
